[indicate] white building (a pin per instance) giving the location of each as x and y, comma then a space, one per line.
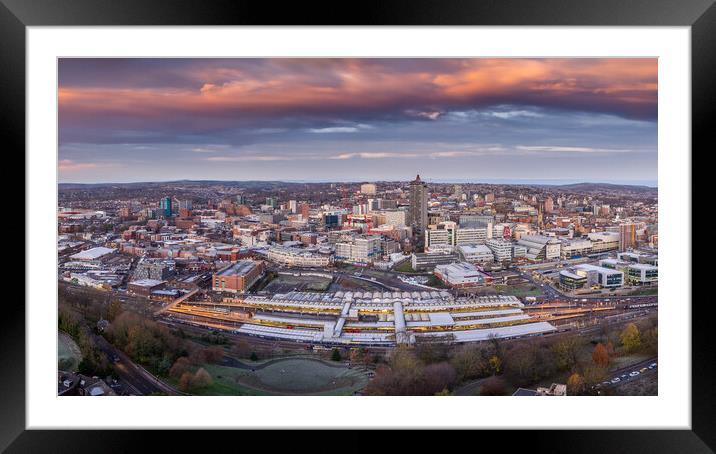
92, 254
604, 241
438, 238
478, 253
642, 273
501, 249
368, 189
469, 235
540, 247
362, 250
604, 277
575, 247
297, 257
394, 217
518, 251
461, 274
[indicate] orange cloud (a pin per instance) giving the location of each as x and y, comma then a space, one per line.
375, 86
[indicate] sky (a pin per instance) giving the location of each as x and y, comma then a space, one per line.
470, 119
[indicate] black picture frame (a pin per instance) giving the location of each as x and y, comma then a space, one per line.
16, 15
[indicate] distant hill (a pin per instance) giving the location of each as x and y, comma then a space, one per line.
62, 186
595, 187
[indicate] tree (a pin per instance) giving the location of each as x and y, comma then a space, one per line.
180, 366
444, 392
493, 386
470, 362
437, 377
241, 349
214, 354
185, 382
600, 355
575, 384
335, 355
495, 364
650, 340
201, 379
115, 308
356, 356
631, 338
593, 375
566, 353
254, 357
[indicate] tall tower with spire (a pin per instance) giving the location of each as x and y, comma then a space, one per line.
418, 211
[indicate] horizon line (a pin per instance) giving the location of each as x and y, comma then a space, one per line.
508, 181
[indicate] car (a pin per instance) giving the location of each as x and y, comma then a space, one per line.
653, 365
634, 374
624, 375
616, 380
643, 369
605, 382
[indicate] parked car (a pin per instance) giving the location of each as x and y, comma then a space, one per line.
634, 374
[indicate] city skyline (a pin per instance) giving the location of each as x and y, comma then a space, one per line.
577, 120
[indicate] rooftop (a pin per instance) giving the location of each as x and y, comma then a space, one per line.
147, 282
239, 268
93, 254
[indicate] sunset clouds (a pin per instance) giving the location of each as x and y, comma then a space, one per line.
237, 110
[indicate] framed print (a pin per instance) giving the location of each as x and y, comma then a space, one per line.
405, 218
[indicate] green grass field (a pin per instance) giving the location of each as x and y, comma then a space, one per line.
68, 353
285, 376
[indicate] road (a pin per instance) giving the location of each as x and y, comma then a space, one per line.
136, 378
626, 370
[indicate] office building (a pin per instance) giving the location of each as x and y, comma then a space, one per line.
160, 270
272, 202
289, 256
571, 281
429, 260
574, 248
501, 249
478, 253
238, 277
627, 236
473, 235
418, 210
368, 189
540, 247
165, 207
642, 273
604, 241
599, 275
461, 275
475, 220
361, 250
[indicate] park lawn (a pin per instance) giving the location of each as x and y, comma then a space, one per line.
68, 352
433, 281
405, 267
224, 383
